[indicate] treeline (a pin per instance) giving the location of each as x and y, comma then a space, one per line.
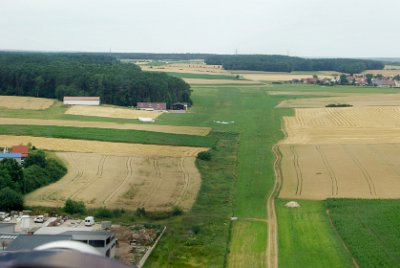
161, 56
16, 180
277, 63
55, 75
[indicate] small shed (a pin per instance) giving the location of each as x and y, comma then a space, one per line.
180, 106
16, 156
91, 101
152, 105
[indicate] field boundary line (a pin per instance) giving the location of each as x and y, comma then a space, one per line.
328, 214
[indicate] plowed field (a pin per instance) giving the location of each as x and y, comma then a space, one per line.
152, 182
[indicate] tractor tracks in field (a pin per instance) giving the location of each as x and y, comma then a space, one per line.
332, 176
367, 177
299, 174
272, 245
129, 173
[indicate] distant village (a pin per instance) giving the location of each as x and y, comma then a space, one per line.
354, 80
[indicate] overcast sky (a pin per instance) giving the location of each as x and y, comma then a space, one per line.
315, 28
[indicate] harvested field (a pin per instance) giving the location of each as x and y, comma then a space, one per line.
28, 103
194, 81
383, 72
341, 152
200, 131
350, 171
311, 93
351, 125
108, 148
355, 100
194, 68
111, 112
278, 76
130, 181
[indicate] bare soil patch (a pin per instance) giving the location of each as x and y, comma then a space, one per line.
200, 131
111, 112
152, 182
108, 148
355, 100
28, 103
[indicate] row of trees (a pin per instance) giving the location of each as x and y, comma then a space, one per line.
59, 75
277, 63
15, 180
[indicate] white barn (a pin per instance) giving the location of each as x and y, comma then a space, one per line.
82, 101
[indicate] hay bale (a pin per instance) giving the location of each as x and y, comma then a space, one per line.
292, 204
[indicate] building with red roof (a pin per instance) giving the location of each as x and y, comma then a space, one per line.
20, 149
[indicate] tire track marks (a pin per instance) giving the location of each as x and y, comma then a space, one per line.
332, 176
129, 173
368, 179
299, 174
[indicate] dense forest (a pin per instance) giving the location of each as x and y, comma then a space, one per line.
15, 180
162, 56
55, 75
276, 63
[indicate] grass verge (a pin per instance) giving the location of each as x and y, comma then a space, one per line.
199, 238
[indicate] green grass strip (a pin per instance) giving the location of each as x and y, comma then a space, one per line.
110, 135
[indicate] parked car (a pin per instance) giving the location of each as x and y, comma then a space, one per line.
39, 219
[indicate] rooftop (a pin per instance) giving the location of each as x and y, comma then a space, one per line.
29, 242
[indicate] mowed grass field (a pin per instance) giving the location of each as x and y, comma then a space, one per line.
306, 238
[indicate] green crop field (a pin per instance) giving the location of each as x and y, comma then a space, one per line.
306, 238
370, 229
112, 135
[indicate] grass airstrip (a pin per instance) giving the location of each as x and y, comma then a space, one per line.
246, 124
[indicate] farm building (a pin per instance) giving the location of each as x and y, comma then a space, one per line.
180, 106
152, 105
21, 149
16, 156
95, 101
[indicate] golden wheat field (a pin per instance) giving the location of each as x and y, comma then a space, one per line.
27, 103
348, 98
111, 112
130, 182
111, 148
341, 152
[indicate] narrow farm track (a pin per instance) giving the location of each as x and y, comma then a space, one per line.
272, 246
